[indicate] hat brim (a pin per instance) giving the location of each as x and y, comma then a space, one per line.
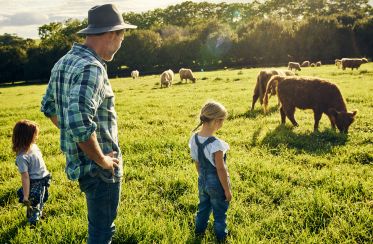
93, 30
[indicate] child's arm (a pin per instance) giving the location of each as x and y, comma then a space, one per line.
223, 174
25, 185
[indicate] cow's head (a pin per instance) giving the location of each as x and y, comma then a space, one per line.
364, 60
343, 120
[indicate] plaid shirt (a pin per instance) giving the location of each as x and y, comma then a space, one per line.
80, 94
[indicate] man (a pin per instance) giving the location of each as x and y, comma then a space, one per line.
80, 101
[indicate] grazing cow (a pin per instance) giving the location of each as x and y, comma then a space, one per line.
135, 74
166, 78
261, 83
338, 63
313, 65
310, 93
352, 63
318, 63
186, 74
305, 64
294, 65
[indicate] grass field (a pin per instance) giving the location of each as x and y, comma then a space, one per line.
289, 184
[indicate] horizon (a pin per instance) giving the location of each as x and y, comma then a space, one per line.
25, 23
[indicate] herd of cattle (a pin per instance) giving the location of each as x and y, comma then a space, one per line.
293, 91
167, 77
320, 95
353, 63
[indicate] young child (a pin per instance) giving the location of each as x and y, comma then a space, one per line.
209, 153
34, 174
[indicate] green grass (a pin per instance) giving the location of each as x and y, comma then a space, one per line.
289, 184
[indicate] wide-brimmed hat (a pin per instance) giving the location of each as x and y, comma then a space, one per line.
105, 18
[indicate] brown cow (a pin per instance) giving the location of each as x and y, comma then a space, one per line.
261, 83
186, 74
294, 65
310, 93
352, 63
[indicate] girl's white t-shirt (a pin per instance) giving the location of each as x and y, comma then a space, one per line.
32, 162
210, 149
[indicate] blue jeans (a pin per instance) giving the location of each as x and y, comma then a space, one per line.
102, 203
211, 198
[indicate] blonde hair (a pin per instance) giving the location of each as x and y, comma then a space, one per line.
24, 133
210, 111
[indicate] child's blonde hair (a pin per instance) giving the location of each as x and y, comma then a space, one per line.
210, 111
24, 133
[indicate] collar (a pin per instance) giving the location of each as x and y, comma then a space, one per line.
83, 48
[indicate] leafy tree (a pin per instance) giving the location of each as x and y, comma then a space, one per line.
139, 50
56, 40
318, 39
13, 57
364, 37
11, 63
266, 41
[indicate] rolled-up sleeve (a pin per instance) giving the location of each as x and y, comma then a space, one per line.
48, 106
86, 95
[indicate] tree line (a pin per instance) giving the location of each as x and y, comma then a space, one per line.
207, 35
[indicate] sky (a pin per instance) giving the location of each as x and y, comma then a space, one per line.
23, 17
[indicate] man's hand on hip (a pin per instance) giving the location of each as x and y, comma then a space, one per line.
109, 162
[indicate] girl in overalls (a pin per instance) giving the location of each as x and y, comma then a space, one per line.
34, 174
209, 154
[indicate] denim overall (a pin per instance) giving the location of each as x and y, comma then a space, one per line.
38, 196
211, 194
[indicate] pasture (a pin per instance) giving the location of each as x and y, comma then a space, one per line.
289, 184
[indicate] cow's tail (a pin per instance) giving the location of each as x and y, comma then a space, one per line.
271, 86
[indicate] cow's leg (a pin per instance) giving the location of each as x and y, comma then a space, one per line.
317, 116
332, 121
278, 101
261, 90
289, 111
283, 115
255, 98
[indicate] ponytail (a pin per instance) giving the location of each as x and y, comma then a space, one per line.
200, 123
210, 111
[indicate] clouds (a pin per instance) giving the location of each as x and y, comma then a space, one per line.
26, 18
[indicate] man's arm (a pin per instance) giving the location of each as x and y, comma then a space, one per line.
48, 105
85, 96
54, 120
92, 149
